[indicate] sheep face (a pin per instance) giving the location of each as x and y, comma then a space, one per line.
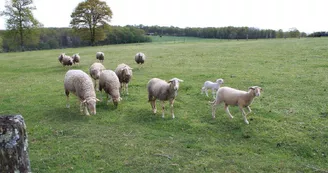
257, 90
126, 71
174, 83
219, 81
91, 105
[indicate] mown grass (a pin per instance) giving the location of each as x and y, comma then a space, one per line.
287, 131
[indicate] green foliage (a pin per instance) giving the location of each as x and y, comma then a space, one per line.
287, 131
21, 24
88, 18
1, 43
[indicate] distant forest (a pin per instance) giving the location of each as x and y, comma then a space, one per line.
55, 38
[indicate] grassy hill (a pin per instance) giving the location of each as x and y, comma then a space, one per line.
288, 129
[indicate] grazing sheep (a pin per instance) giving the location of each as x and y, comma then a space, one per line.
124, 74
162, 90
60, 58
109, 81
212, 85
65, 60
231, 96
76, 58
140, 58
95, 70
100, 56
80, 84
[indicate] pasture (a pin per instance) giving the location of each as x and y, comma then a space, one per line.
288, 130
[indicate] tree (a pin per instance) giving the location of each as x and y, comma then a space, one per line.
91, 16
21, 22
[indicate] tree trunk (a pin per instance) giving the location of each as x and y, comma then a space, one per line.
13, 145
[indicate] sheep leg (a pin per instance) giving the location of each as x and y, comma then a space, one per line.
206, 92
202, 90
171, 105
86, 111
127, 88
67, 98
213, 93
243, 114
249, 109
226, 108
214, 106
81, 107
153, 105
109, 100
163, 109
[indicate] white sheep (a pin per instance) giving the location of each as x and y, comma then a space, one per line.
76, 58
109, 81
231, 96
65, 60
162, 90
80, 84
212, 85
140, 58
95, 70
124, 74
100, 56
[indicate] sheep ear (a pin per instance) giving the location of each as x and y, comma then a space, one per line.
130, 68
253, 88
84, 101
97, 100
180, 80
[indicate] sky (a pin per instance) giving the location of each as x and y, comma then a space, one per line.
305, 15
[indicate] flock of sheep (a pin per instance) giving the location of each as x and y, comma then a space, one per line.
115, 83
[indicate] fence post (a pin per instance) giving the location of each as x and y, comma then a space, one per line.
13, 145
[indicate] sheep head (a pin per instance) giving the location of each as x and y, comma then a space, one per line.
256, 89
219, 81
126, 71
90, 103
116, 100
174, 83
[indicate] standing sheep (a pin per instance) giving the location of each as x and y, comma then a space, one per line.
124, 74
212, 85
95, 70
109, 81
162, 90
140, 58
231, 96
80, 84
100, 56
76, 58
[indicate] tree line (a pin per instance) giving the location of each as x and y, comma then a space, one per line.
89, 26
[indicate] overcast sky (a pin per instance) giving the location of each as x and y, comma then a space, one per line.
306, 15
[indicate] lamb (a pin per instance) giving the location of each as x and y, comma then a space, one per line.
162, 90
109, 81
231, 96
95, 70
76, 58
124, 74
100, 56
65, 60
80, 84
140, 58
212, 85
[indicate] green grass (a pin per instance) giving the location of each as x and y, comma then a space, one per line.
288, 129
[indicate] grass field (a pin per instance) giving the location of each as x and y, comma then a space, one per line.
288, 130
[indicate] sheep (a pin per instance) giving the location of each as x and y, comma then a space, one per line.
65, 60
80, 84
100, 56
95, 70
124, 74
109, 81
140, 58
162, 90
212, 85
231, 96
76, 58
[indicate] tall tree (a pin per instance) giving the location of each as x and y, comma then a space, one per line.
92, 16
20, 21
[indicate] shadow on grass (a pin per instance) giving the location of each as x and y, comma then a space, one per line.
65, 115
